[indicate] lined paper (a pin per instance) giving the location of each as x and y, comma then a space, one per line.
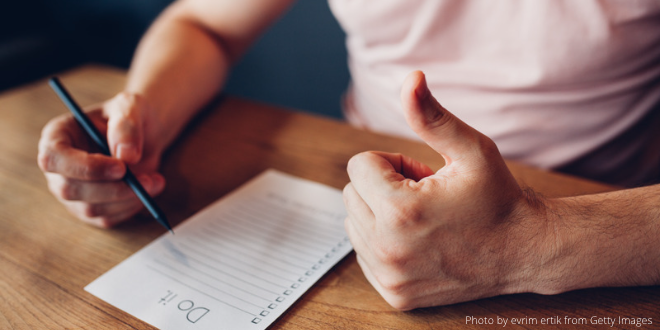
239, 263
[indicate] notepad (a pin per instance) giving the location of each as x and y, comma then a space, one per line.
237, 264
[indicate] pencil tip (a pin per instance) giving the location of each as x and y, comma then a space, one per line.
163, 221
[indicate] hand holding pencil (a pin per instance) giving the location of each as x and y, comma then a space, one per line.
88, 182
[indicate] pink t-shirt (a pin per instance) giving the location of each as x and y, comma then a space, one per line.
562, 84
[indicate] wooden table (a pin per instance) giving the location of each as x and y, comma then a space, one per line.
47, 256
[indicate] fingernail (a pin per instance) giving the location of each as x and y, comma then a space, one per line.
429, 105
126, 151
158, 181
146, 182
422, 90
115, 171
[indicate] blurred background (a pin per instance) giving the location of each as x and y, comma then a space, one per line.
299, 63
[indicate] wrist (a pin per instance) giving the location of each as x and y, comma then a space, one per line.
533, 244
155, 128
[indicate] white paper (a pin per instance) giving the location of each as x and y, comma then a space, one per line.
239, 263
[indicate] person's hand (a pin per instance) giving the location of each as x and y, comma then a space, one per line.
426, 238
89, 183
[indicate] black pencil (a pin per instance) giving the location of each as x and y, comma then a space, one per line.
100, 140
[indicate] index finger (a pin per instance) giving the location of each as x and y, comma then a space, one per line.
372, 176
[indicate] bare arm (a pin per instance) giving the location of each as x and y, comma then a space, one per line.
609, 239
181, 62
184, 58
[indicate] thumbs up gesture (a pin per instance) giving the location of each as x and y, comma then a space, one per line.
426, 238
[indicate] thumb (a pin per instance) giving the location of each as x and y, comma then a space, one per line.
125, 126
439, 128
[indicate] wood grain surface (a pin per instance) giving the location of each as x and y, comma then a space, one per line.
47, 256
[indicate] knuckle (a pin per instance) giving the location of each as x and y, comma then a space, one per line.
487, 146
104, 222
92, 169
123, 99
348, 195
355, 161
405, 213
396, 291
128, 104
120, 191
393, 285
400, 302
350, 166
92, 210
68, 191
117, 105
390, 254
347, 187
101, 222
54, 124
54, 187
47, 159
345, 197
48, 147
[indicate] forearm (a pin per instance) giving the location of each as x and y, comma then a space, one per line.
602, 240
178, 68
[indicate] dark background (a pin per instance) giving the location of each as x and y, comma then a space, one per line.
300, 62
